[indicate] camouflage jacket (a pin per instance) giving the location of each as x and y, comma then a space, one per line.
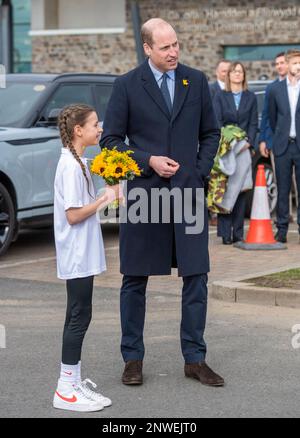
230, 134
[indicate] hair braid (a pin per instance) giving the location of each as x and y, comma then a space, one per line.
69, 117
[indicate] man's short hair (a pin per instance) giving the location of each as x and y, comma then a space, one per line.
292, 54
279, 55
223, 60
147, 35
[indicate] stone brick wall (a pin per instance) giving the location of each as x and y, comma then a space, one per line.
203, 28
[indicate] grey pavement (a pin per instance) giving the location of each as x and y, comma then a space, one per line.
249, 345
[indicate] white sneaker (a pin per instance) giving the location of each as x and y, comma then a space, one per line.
71, 397
96, 396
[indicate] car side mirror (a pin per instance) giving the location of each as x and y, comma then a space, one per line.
50, 120
53, 115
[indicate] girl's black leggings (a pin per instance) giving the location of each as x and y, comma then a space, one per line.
78, 317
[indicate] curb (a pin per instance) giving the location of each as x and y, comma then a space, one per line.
247, 293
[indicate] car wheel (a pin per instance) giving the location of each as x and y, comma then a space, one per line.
271, 189
7, 219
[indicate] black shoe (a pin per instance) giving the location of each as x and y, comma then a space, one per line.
280, 237
226, 241
237, 239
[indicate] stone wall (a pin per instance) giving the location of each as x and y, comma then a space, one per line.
203, 28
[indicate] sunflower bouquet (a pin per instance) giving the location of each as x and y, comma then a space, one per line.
114, 166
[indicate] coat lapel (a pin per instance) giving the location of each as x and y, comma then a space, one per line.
285, 94
181, 91
298, 104
231, 103
243, 101
152, 88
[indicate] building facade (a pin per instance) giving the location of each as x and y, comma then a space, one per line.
98, 35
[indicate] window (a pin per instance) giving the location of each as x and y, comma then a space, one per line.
21, 38
256, 53
103, 93
75, 17
68, 94
17, 100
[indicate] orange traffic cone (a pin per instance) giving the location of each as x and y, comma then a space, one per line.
260, 234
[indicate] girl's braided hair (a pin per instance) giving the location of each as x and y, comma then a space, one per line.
69, 117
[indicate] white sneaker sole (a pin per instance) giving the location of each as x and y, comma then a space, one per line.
106, 404
60, 404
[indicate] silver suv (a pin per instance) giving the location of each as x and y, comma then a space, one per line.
30, 144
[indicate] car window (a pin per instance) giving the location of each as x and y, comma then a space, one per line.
17, 99
68, 94
103, 93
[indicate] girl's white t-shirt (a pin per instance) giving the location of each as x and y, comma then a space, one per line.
79, 247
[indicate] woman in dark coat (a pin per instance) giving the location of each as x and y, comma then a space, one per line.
236, 105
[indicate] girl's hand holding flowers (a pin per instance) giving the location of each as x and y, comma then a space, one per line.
114, 166
112, 194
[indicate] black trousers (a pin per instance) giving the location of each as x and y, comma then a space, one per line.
193, 317
231, 226
78, 318
284, 171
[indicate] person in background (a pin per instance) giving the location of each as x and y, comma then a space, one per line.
236, 105
265, 136
284, 113
216, 87
221, 73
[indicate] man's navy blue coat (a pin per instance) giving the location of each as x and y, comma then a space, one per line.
189, 136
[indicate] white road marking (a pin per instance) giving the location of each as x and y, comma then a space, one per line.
41, 260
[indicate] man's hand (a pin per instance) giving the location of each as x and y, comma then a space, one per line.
264, 151
163, 166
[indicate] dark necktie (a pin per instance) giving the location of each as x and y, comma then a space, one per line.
165, 92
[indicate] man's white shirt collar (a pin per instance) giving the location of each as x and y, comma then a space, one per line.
290, 84
222, 84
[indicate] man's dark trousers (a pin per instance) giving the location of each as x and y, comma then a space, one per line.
284, 170
194, 307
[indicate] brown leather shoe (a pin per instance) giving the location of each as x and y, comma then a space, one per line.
132, 374
202, 372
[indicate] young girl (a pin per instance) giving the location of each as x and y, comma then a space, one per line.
79, 250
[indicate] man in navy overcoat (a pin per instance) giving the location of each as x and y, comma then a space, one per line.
165, 110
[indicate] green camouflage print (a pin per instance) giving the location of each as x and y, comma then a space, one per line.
218, 180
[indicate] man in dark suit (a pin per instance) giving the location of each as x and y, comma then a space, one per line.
284, 113
221, 73
265, 135
165, 110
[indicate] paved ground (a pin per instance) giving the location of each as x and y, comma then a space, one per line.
249, 345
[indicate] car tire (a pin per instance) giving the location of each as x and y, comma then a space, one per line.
7, 219
271, 188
